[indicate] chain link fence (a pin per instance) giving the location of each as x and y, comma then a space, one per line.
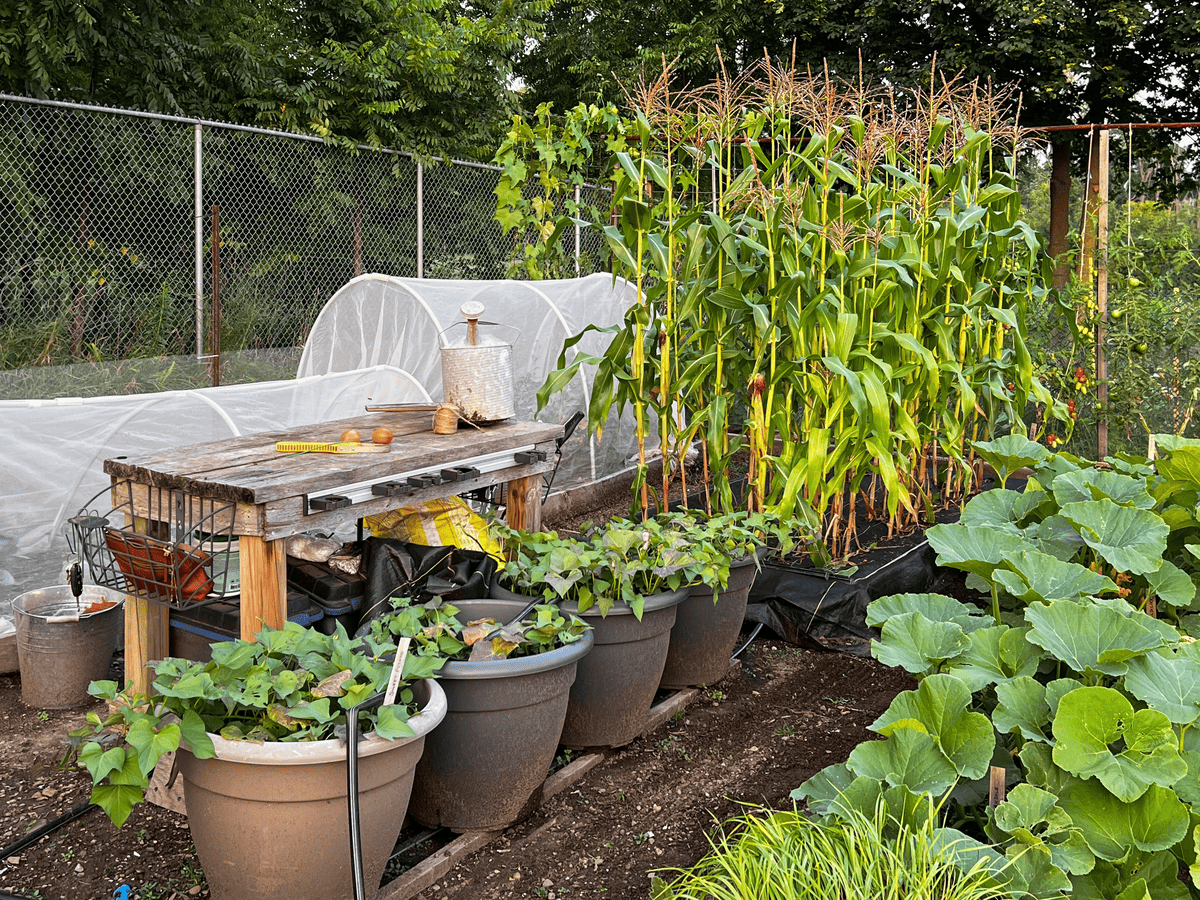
109, 219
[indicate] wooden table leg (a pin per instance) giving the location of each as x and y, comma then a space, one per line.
264, 585
147, 631
524, 503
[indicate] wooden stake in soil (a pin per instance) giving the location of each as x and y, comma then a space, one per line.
995, 786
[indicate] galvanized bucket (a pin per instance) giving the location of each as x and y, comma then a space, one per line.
59, 656
477, 373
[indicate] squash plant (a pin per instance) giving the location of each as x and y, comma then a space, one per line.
1087, 701
830, 282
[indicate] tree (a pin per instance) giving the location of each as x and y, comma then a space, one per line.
431, 76
1076, 62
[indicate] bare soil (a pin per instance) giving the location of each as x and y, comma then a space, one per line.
751, 739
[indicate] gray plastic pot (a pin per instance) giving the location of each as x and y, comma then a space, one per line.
705, 631
270, 821
615, 683
58, 659
488, 759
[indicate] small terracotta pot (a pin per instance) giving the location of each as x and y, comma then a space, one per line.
271, 821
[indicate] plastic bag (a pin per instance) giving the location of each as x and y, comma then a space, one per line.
398, 569
437, 523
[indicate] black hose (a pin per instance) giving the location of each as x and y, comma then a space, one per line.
356, 862
38, 833
753, 634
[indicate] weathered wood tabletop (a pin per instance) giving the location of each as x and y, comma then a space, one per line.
269, 496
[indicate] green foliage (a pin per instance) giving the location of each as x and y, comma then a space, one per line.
1087, 701
437, 632
431, 77
292, 684
868, 852
546, 165
841, 303
625, 561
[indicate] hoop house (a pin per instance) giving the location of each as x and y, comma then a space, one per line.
53, 463
405, 322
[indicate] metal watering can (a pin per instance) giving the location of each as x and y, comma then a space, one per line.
477, 372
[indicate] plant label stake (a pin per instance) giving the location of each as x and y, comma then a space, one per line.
397, 670
995, 786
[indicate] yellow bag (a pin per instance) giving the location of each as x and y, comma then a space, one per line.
437, 523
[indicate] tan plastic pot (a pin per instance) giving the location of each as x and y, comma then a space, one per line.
485, 762
270, 821
705, 631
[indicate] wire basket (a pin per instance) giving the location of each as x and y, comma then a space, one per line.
159, 544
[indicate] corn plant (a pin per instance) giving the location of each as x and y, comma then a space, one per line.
832, 280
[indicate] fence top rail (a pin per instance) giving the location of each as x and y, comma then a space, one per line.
209, 123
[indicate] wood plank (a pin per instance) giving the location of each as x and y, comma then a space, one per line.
432, 868
264, 585
259, 479
523, 503
569, 774
147, 632
164, 792
321, 472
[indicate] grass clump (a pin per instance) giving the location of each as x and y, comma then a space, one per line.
856, 856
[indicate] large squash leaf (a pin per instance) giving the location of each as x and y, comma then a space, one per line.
1011, 452
977, 549
1031, 576
917, 645
994, 655
908, 757
1100, 736
994, 508
1021, 706
1168, 683
935, 607
1129, 540
1156, 820
940, 707
1091, 638
1093, 484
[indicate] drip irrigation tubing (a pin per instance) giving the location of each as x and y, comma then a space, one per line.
758, 626
38, 833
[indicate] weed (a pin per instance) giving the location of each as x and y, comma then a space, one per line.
785, 730
43, 716
678, 717
642, 837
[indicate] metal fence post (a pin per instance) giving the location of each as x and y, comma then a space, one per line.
420, 220
197, 132
577, 236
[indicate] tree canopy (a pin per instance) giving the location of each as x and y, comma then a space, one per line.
431, 76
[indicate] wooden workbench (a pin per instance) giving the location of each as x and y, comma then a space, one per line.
271, 498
